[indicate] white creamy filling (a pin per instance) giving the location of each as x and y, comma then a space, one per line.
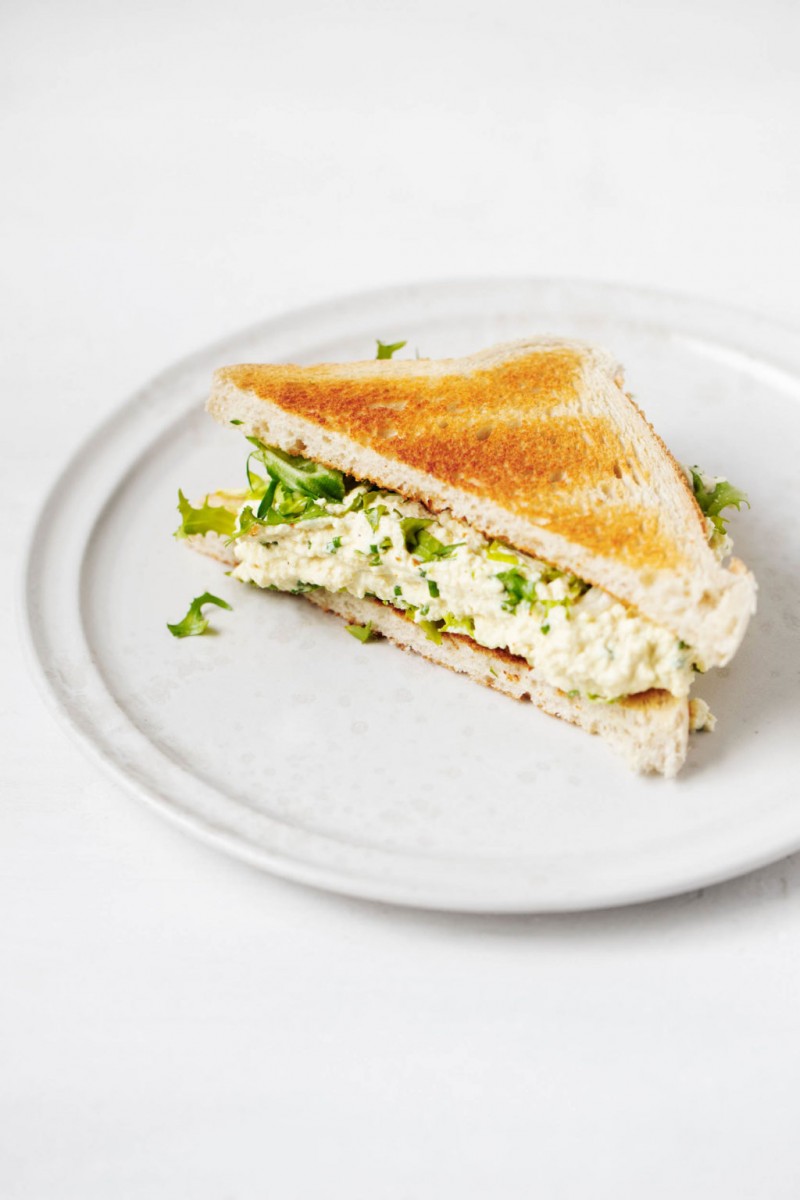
700, 716
593, 645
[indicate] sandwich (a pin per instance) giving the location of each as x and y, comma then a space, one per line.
511, 515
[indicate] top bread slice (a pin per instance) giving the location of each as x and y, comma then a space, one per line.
534, 443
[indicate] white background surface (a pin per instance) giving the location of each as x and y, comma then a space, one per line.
172, 1023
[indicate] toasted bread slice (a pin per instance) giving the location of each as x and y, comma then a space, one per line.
534, 443
650, 730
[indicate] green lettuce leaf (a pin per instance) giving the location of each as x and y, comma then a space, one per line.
431, 631
387, 349
300, 474
277, 505
247, 519
256, 483
423, 544
458, 624
374, 514
412, 527
362, 633
194, 623
267, 500
208, 519
713, 500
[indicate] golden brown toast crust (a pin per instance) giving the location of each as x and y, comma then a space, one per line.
514, 431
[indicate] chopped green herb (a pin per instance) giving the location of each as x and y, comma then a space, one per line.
458, 624
235, 422
545, 628
374, 515
210, 518
550, 573
398, 591
423, 544
387, 349
333, 545
518, 589
194, 623
375, 551
712, 500
497, 552
362, 633
429, 548
433, 589
572, 693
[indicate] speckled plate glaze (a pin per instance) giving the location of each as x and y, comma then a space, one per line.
368, 771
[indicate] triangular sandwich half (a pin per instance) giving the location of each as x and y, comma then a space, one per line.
511, 514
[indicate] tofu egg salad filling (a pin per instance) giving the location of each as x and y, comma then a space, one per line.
302, 526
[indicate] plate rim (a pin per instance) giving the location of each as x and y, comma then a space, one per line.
749, 326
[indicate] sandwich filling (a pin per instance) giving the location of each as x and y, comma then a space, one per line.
304, 526
454, 580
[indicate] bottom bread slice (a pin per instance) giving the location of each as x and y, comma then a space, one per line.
650, 729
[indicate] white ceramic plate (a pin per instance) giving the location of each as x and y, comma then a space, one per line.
368, 771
